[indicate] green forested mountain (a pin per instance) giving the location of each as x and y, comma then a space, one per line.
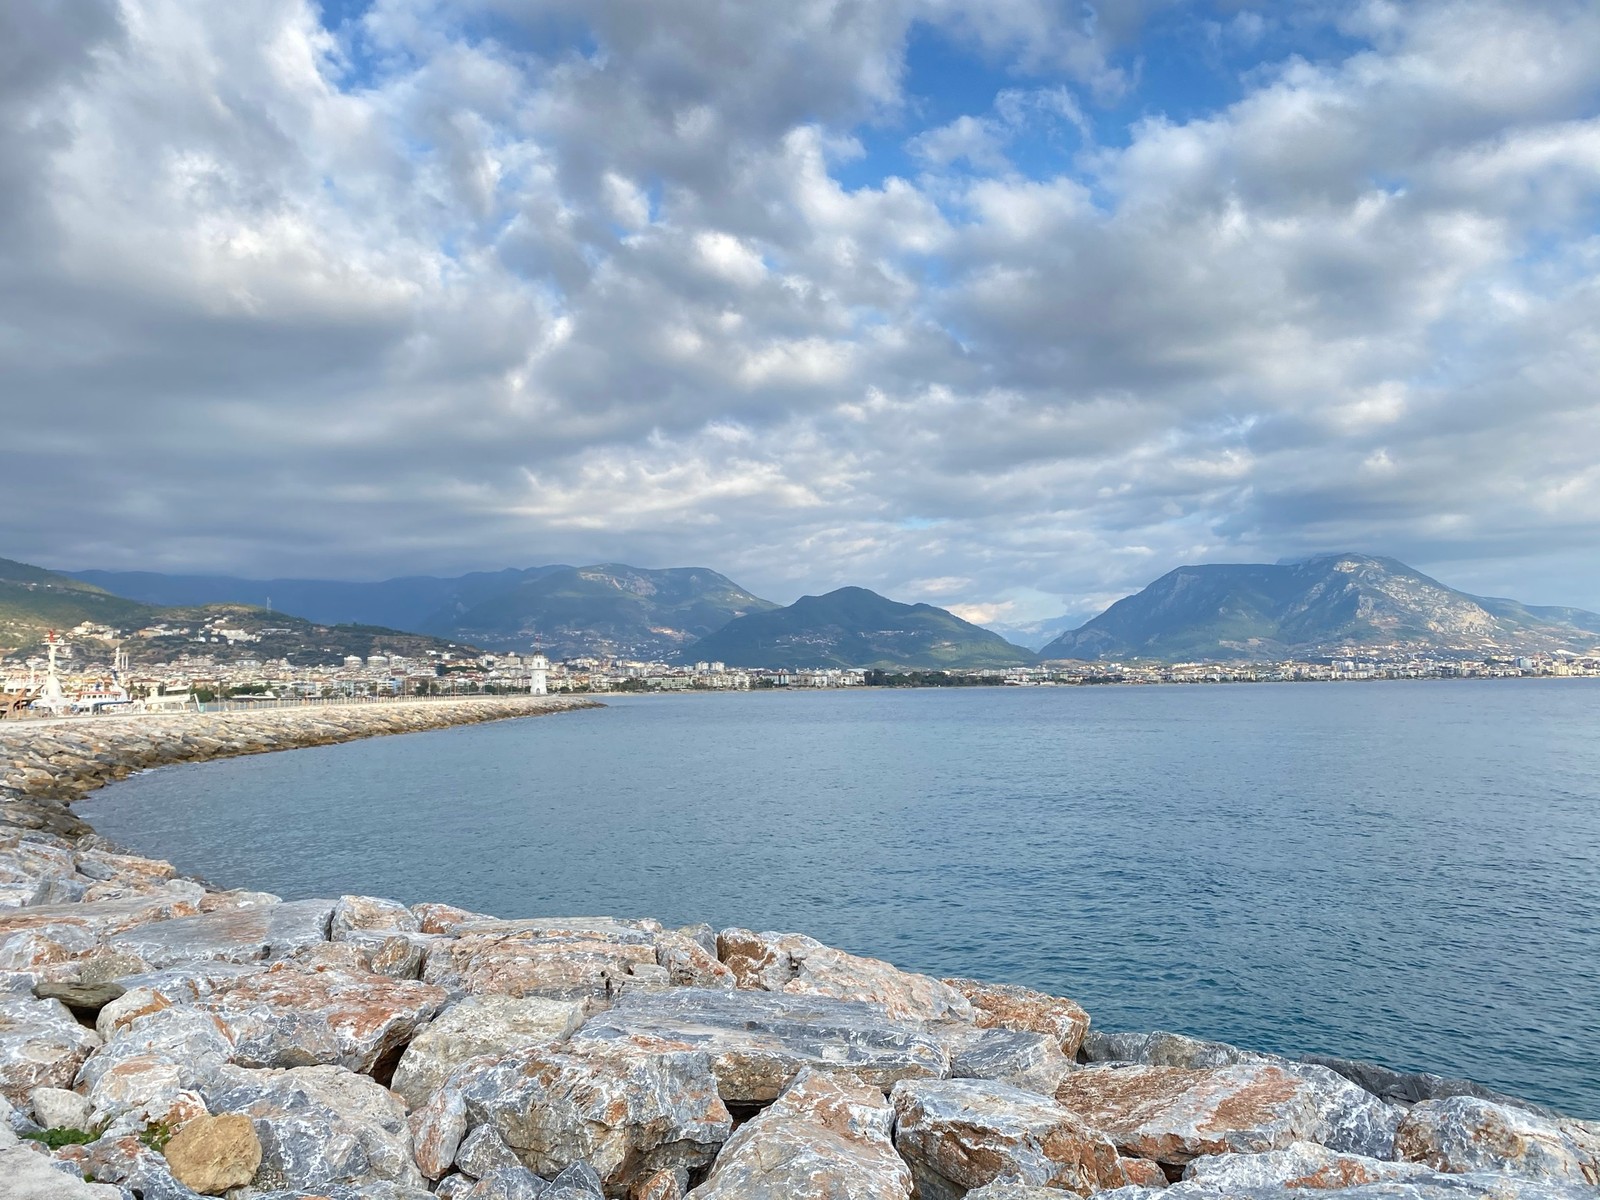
34, 601
1325, 605
853, 627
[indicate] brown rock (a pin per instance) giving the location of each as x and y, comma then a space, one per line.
968, 1132
213, 1154
1463, 1133
1007, 1006
799, 965
1173, 1115
557, 960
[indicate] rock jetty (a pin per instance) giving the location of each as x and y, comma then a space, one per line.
166, 1039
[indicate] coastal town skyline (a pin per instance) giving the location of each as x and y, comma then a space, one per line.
988, 306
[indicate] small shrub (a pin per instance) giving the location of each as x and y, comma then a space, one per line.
57, 1138
156, 1136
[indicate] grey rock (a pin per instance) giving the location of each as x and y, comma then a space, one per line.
319, 1126
1463, 1133
478, 1025
1007, 1190
969, 1132
58, 1108
26, 1175
1033, 1061
85, 998
626, 1109
230, 935
1302, 1165
1163, 1049
483, 1150
758, 1041
508, 1183
577, 1182
826, 1136
41, 1045
362, 914
1404, 1088
153, 1058
454, 1187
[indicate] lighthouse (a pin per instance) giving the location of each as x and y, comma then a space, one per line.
539, 672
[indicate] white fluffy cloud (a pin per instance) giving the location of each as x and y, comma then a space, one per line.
456, 286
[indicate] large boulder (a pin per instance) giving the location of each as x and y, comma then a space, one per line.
320, 1127
153, 1061
625, 1109
1301, 1166
571, 960
825, 1137
1163, 1049
1008, 1006
1033, 1061
103, 918
1463, 1133
1173, 1115
1407, 1088
965, 1133
245, 934
25, 1175
367, 914
799, 965
479, 1025
289, 1016
758, 1042
41, 1045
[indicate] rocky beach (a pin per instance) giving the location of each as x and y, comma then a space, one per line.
166, 1038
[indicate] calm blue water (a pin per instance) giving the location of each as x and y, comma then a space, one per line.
1403, 872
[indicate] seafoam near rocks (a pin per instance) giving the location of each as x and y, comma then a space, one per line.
358, 1048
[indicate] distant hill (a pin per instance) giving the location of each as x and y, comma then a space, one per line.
1330, 604
609, 610
853, 627
34, 601
405, 603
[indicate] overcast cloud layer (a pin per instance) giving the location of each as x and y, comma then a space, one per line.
1008, 305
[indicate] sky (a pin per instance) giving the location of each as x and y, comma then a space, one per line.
1009, 306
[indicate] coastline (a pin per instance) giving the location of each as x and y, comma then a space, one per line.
132, 1000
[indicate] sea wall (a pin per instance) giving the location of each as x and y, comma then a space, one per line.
161, 1038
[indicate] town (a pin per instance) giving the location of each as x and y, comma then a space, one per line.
93, 673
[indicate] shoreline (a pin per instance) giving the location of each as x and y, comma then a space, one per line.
681, 1064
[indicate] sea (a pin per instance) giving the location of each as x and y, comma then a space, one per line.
1406, 872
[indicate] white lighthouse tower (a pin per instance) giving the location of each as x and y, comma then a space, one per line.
539, 674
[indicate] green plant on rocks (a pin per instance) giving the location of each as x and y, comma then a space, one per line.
59, 1137
156, 1136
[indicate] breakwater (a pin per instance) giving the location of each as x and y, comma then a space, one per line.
207, 1040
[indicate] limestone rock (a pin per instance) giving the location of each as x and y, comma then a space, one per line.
1173, 1115
1032, 1061
213, 1154
36, 950
799, 965
969, 1132
508, 1183
578, 1182
102, 918
825, 1137
1463, 1133
660, 1185
444, 918
40, 1046
1163, 1049
477, 1025
126, 1161
58, 1108
626, 1110
689, 964
1406, 1088
557, 960
1009, 1190
26, 1175
440, 1125
319, 1126
152, 1058
86, 999
759, 1041
289, 1016
361, 914
1302, 1165
483, 1150
1008, 1006
230, 935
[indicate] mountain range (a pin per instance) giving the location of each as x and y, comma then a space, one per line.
34, 601
607, 610
1322, 606
1330, 604
852, 627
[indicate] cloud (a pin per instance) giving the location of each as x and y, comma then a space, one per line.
455, 286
